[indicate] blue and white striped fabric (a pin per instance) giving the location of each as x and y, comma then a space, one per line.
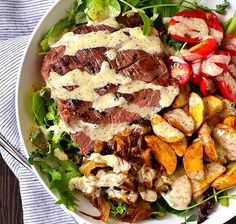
17, 20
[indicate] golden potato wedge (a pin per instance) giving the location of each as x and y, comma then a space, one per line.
193, 161
225, 136
180, 147
212, 171
213, 105
196, 109
230, 121
199, 187
179, 119
222, 154
208, 143
182, 99
165, 131
163, 153
227, 179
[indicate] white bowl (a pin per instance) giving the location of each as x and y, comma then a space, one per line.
30, 77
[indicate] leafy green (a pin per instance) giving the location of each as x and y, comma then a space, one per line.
162, 206
117, 208
221, 8
98, 10
39, 107
226, 23
146, 23
44, 108
232, 25
224, 201
191, 218
59, 174
175, 43
75, 15
38, 139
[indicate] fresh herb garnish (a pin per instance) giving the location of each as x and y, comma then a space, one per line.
116, 208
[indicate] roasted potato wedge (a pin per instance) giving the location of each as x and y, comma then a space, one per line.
179, 119
230, 121
165, 131
182, 99
163, 153
204, 134
180, 147
212, 171
193, 161
222, 154
196, 109
225, 136
199, 187
213, 105
179, 197
227, 179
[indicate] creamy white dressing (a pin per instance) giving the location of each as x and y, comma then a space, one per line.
61, 155
119, 40
218, 35
149, 195
180, 195
124, 195
194, 27
102, 179
118, 164
88, 83
111, 54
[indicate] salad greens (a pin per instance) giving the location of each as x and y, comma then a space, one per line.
59, 173
96, 10
44, 108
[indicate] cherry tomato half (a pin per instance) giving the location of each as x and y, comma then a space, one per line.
189, 26
179, 69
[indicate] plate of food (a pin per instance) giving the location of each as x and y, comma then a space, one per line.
127, 109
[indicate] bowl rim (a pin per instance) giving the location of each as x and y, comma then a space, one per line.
75, 216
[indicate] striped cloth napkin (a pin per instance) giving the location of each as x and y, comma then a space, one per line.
17, 20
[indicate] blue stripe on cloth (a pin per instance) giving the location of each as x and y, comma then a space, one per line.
18, 18
38, 205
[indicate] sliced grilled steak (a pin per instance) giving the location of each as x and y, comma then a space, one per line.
134, 64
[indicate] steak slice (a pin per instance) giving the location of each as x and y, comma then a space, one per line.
132, 63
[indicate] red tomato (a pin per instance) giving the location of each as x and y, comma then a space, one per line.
227, 86
207, 86
215, 28
179, 69
189, 26
204, 48
196, 72
216, 64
